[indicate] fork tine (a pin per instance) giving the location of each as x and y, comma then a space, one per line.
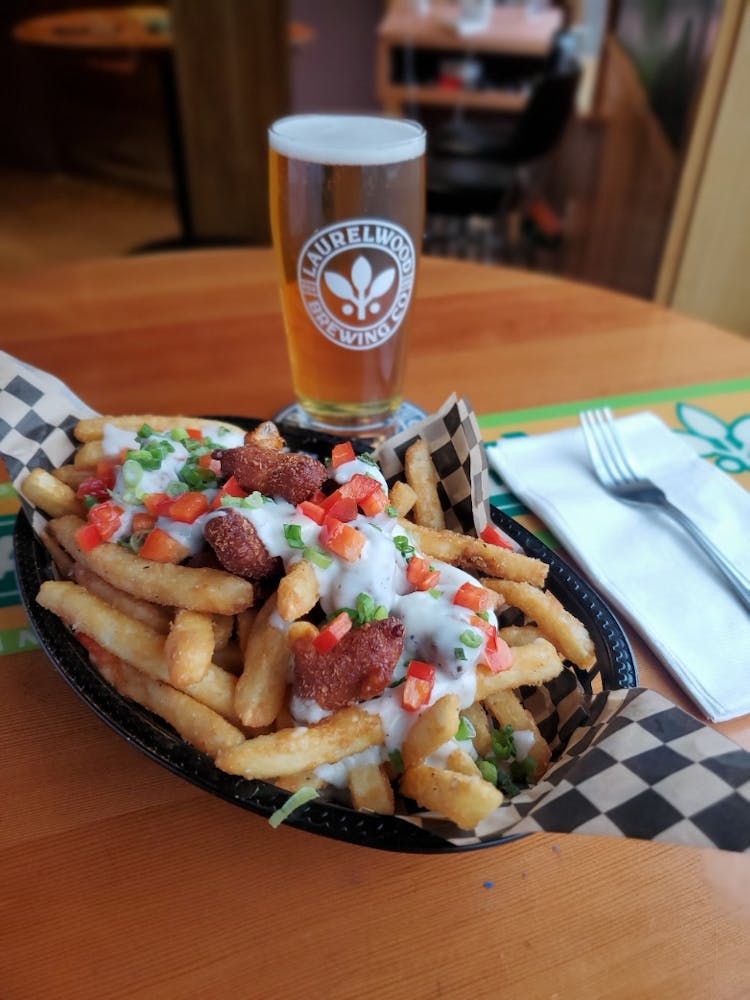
608, 445
599, 458
615, 442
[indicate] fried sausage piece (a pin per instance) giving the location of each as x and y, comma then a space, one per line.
292, 476
359, 666
238, 547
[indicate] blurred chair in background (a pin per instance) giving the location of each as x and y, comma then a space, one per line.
478, 172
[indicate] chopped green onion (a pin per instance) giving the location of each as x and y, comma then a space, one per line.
398, 683
90, 501
176, 488
397, 761
300, 797
391, 511
483, 614
195, 477
506, 785
460, 653
523, 770
178, 434
317, 556
471, 639
466, 730
365, 607
503, 744
146, 431
136, 540
145, 459
367, 458
488, 771
435, 593
132, 472
380, 613
293, 536
404, 546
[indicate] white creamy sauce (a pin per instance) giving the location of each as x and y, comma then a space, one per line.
338, 774
524, 741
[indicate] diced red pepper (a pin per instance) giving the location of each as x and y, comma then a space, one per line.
161, 547
105, 470
492, 536
341, 539
497, 654
157, 504
421, 575
375, 503
312, 510
231, 488
343, 508
206, 462
474, 598
94, 487
107, 518
417, 689
342, 453
483, 626
360, 487
88, 537
143, 522
332, 633
195, 433
187, 507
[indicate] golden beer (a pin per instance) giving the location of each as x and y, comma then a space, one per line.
347, 216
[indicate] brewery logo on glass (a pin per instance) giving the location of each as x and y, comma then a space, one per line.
356, 280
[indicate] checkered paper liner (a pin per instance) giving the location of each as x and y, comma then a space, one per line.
37, 415
626, 762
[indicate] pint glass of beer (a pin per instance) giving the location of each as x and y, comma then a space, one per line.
347, 215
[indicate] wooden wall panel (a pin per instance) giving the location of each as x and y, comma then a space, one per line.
232, 68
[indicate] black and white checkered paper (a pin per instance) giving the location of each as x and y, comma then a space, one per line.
626, 763
37, 415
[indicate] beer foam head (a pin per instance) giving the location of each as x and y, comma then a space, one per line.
347, 140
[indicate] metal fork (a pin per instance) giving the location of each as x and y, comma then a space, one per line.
618, 477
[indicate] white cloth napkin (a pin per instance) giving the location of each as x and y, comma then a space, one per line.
649, 568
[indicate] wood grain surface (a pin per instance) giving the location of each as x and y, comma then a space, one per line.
118, 879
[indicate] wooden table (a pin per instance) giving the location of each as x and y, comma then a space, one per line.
117, 879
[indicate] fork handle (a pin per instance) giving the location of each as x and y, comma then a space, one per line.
739, 582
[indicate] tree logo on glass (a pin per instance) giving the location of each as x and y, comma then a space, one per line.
356, 280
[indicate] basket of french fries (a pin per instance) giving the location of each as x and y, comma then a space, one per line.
275, 619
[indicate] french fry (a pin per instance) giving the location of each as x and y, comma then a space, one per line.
371, 790
89, 455
434, 727
298, 591
293, 782
289, 751
131, 641
223, 626
507, 708
71, 476
464, 799
199, 725
474, 554
478, 718
92, 428
154, 616
266, 435
61, 559
189, 647
463, 763
402, 498
244, 623
197, 589
50, 495
262, 685
300, 630
533, 664
563, 629
519, 635
422, 477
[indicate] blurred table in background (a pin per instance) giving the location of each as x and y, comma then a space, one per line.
512, 32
